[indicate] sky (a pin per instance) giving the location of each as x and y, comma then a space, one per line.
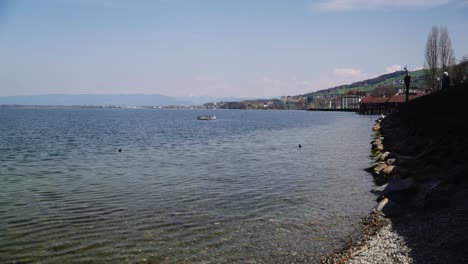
241, 48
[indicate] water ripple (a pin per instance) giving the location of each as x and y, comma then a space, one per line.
234, 190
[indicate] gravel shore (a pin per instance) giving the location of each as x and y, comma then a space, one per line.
418, 237
387, 246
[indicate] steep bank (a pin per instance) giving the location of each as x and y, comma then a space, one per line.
421, 153
422, 171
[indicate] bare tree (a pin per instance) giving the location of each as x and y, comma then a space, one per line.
445, 49
432, 55
385, 90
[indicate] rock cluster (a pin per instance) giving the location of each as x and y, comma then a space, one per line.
390, 174
422, 198
421, 173
415, 170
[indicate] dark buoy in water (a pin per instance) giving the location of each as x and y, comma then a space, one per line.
300, 146
120, 150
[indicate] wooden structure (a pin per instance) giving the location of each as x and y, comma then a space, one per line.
371, 105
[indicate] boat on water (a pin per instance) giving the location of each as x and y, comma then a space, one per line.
207, 117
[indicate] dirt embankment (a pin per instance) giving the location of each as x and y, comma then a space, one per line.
421, 152
421, 173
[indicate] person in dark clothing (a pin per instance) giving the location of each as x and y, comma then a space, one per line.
445, 81
407, 84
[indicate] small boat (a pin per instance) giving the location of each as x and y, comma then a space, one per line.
207, 117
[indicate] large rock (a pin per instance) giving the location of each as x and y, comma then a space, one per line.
379, 189
389, 208
378, 177
394, 186
379, 147
392, 170
384, 156
398, 185
381, 166
376, 127
381, 205
370, 169
378, 156
388, 171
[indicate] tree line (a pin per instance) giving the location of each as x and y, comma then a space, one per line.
440, 58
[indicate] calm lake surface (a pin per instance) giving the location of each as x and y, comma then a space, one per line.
237, 189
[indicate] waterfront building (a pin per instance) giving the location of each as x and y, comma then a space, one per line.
371, 105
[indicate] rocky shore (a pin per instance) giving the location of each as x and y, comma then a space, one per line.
421, 173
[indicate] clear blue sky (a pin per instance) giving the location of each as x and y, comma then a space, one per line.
238, 48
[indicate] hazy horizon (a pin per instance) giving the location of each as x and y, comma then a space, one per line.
134, 99
212, 48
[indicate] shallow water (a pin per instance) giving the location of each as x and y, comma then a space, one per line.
237, 189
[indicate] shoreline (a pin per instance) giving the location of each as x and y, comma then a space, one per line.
371, 225
421, 173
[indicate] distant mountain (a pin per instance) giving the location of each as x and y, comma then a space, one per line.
394, 79
199, 100
93, 99
111, 99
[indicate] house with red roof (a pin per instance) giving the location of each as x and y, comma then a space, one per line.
394, 101
371, 105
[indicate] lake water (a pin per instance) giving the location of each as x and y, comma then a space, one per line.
234, 190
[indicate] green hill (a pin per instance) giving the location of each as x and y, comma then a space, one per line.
390, 79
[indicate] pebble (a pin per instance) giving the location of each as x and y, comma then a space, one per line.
385, 247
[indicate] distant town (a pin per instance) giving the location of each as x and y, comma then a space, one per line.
376, 95
382, 94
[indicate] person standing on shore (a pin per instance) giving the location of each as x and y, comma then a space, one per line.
445, 81
407, 84
439, 83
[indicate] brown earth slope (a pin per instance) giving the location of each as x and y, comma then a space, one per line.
421, 170
422, 163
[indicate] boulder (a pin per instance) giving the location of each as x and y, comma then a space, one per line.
379, 147
398, 185
381, 205
379, 189
376, 127
370, 169
391, 170
378, 157
384, 156
376, 142
388, 208
388, 170
381, 166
